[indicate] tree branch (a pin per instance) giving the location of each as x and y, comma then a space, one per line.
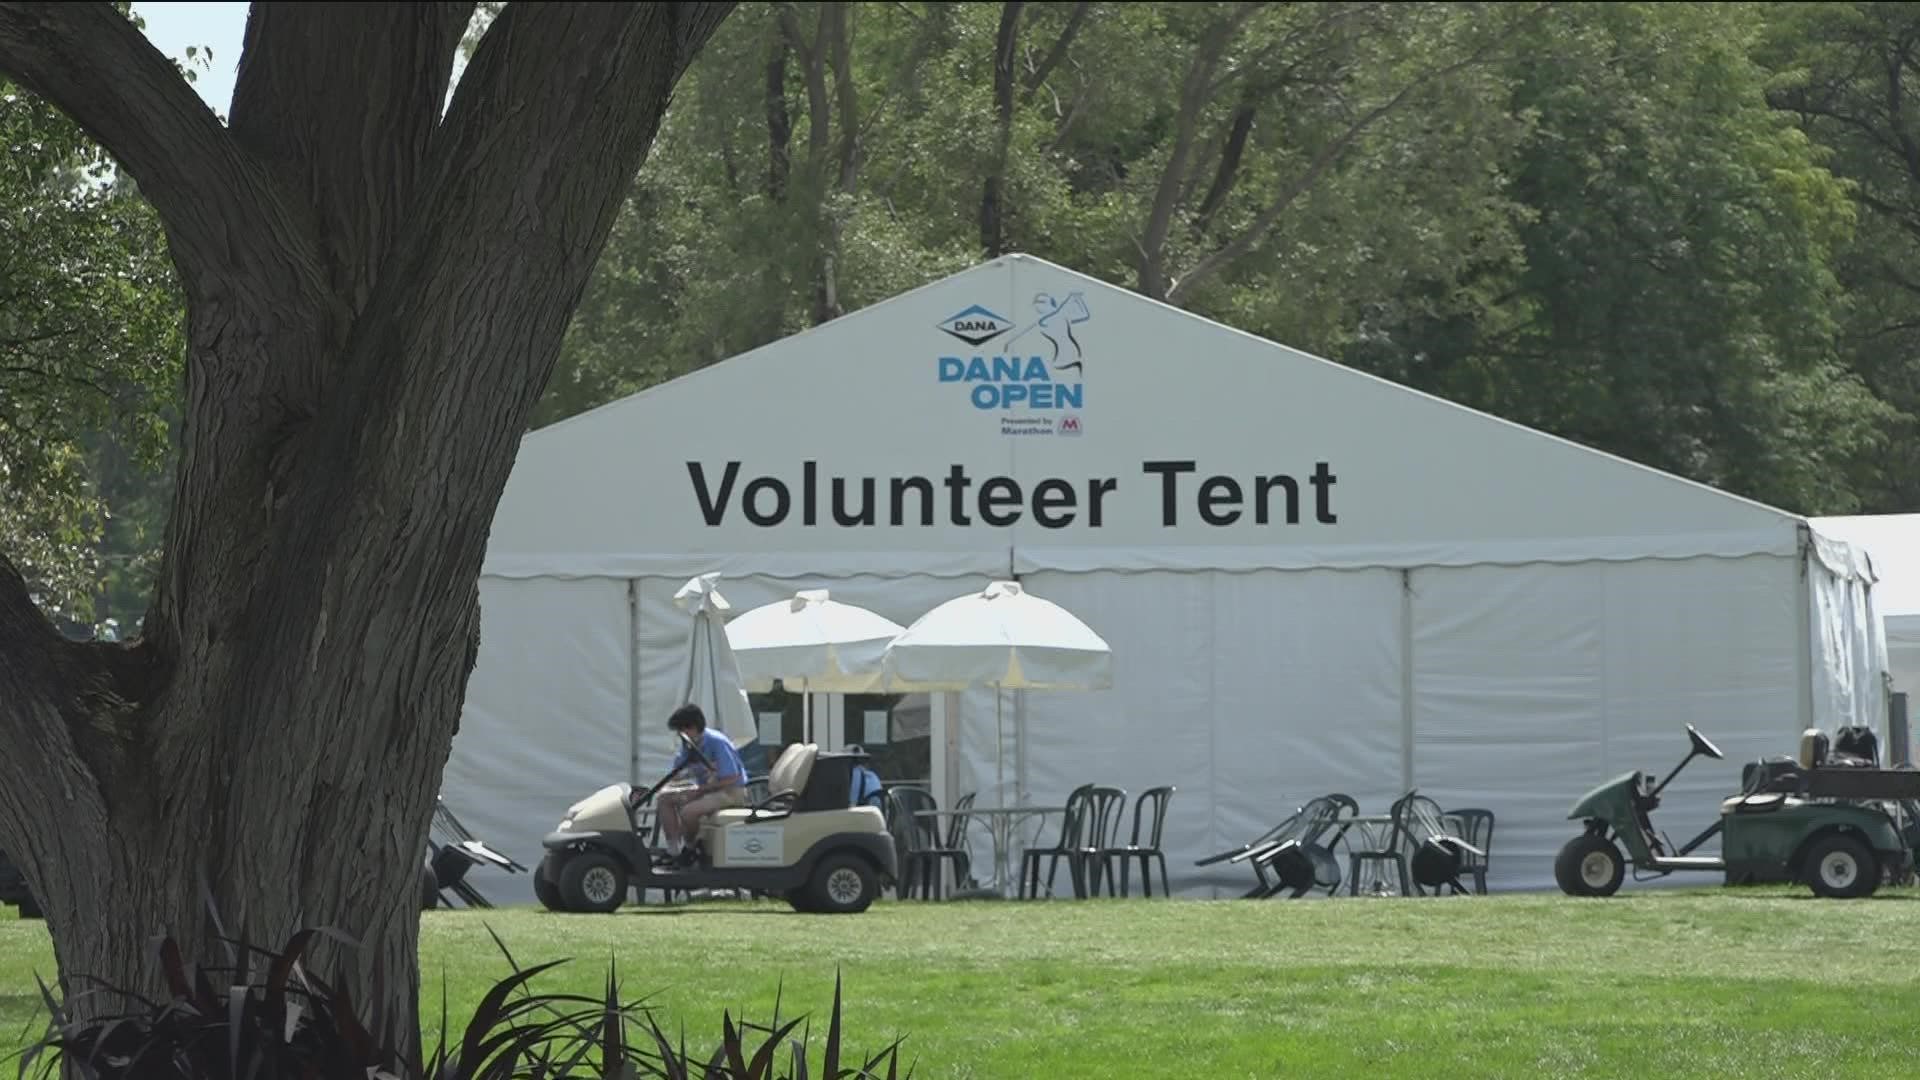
355, 158
1038, 76
94, 65
63, 704
550, 122
779, 123
1325, 159
1152, 274
1228, 172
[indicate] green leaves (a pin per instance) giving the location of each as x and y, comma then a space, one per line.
268, 1014
91, 348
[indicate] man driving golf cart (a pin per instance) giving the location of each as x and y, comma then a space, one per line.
720, 787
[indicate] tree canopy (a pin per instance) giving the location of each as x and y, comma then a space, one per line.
1679, 233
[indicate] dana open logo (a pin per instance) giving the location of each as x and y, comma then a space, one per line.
1027, 372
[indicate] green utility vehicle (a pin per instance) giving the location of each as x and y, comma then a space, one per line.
1841, 829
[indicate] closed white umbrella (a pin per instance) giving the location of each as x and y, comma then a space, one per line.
814, 641
713, 679
1003, 637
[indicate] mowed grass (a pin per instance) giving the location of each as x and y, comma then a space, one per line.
1706, 983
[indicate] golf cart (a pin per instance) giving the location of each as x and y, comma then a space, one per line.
804, 842
1838, 828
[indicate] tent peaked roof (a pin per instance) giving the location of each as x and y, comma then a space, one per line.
1019, 415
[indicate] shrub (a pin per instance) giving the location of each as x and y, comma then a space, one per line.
266, 1016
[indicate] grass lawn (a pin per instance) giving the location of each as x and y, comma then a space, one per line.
1707, 983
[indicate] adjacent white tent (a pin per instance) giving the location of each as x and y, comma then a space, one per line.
1892, 542
1312, 580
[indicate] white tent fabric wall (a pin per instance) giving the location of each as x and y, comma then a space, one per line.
1534, 684
1249, 692
546, 713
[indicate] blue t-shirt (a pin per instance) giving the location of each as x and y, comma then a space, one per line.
865, 787
719, 750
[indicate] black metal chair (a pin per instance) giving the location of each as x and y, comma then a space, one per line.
1148, 852
1106, 810
1063, 848
917, 842
1302, 860
1475, 826
1295, 854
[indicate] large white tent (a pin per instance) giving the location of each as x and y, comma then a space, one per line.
1312, 580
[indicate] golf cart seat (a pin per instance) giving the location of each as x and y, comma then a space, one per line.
1813, 748
787, 779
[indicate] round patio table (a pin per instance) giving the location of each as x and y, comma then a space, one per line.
1001, 821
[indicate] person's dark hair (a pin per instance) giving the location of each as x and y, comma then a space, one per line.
687, 716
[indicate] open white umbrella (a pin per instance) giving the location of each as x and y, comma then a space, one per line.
1003, 637
812, 641
713, 679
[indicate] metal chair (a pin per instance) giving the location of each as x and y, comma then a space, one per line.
1475, 826
1159, 797
1106, 808
917, 840
1063, 848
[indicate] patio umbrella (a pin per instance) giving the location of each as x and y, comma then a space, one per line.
1003, 637
814, 641
713, 679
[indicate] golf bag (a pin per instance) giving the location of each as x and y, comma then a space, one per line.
1857, 746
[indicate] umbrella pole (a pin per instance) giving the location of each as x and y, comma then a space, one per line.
999, 749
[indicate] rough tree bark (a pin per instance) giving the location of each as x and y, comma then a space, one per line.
376, 296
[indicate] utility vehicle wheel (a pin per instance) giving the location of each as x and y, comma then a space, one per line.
799, 898
544, 889
842, 885
592, 881
1589, 865
1840, 867
429, 889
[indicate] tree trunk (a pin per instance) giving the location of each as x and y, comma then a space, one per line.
993, 231
1195, 93
779, 125
376, 296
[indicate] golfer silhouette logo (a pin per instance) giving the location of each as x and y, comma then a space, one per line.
1057, 320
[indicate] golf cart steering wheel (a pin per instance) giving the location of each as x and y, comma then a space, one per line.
1701, 745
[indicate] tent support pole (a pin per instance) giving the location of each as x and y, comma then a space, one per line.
1406, 680
1803, 604
633, 681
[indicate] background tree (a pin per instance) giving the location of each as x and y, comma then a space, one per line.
1849, 75
377, 280
90, 354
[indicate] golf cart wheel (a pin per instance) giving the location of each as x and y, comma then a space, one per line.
429, 890
593, 881
799, 899
544, 889
1590, 865
842, 885
1840, 867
